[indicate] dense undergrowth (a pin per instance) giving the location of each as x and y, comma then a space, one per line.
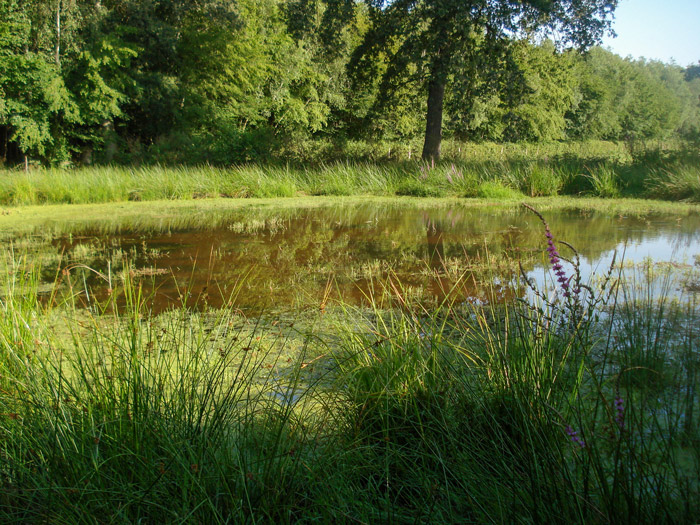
488, 171
578, 404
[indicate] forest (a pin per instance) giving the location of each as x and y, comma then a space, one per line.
224, 82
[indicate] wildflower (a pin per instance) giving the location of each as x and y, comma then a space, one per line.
620, 412
573, 434
555, 261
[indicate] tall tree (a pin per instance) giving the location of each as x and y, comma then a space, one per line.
431, 37
35, 98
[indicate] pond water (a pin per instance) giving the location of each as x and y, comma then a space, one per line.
308, 257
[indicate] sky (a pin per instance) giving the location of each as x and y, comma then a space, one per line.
657, 29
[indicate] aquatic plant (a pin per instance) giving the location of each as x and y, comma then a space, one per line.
477, 411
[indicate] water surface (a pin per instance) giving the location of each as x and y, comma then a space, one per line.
308, 257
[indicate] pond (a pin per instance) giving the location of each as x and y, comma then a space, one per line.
267, 259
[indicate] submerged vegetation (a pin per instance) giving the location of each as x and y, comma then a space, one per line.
576, 402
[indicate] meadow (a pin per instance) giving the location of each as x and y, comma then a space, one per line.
491, 171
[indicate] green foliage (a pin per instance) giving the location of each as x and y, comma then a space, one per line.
528, 103
426, 42
629, 100
36, 99
224, 82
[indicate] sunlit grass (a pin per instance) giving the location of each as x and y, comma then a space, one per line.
601, 169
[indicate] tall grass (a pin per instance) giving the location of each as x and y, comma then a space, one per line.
527, 412
575, 403
179, 418
675, 183
602, 169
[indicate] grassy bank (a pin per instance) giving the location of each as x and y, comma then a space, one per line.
492, 172
578, 407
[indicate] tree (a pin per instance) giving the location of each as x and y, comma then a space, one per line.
528, 99
35, 97
247, 87
625, 99
433, 37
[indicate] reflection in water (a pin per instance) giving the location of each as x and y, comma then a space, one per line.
287, 258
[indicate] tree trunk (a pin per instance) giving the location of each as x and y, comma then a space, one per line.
58, 32
110, 138
433, 124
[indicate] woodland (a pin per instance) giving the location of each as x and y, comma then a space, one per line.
225, 82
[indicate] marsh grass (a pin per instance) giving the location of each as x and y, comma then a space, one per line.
464, 411
675, 183
181, 417
601, 169
604, 183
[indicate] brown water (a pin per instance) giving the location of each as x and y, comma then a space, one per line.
306, 258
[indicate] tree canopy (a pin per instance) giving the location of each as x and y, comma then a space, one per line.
436, 39
225, 81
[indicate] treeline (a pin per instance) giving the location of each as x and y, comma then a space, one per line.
225, 81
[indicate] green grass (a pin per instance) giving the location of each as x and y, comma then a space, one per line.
497, 191
599, 169
393, 412
676, 183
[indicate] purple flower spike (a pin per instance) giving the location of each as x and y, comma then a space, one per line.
620, 412
555, 259
575, 437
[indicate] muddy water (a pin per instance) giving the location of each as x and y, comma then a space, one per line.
307, 258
